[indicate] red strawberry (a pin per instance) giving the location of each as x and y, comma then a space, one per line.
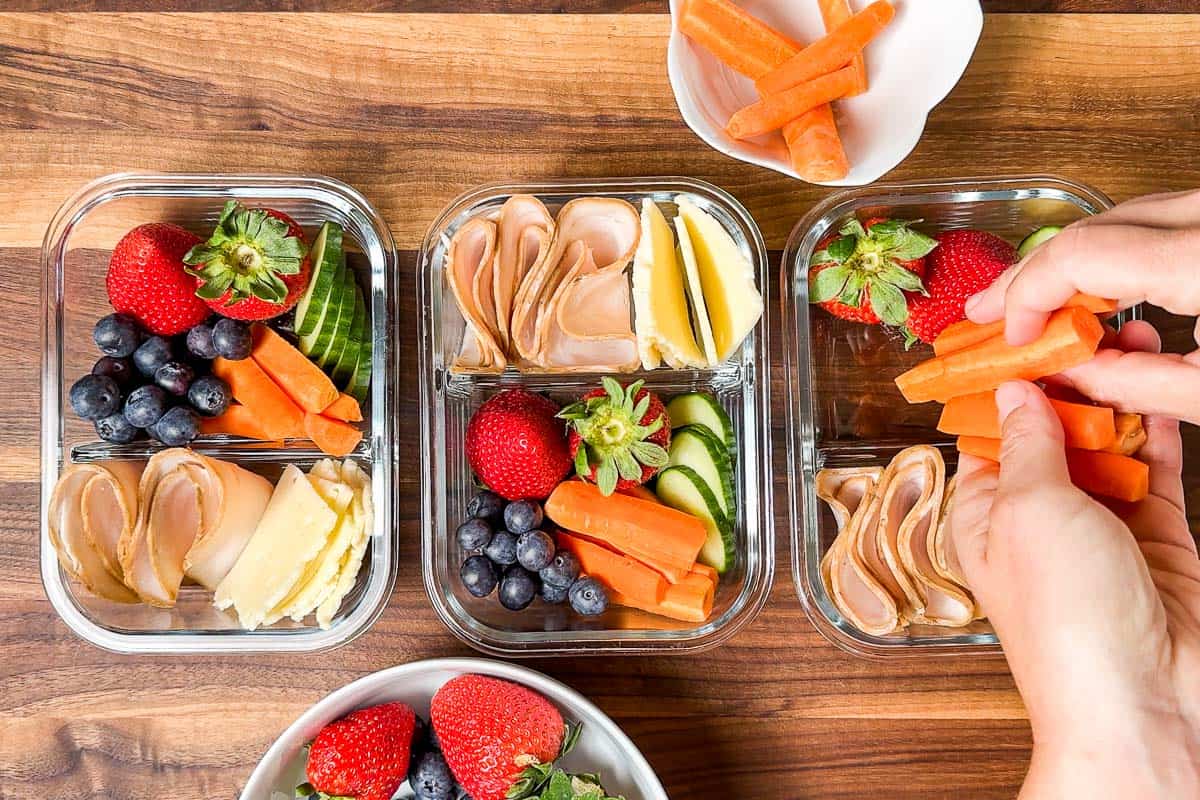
364, 754
147, 279
862, 272
619, 435
491, 731
516, 445
965, 262
254, 266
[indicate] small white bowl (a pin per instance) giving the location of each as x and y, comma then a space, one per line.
912, 65
602, 748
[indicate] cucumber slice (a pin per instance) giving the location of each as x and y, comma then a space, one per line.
701, 408
682, 488
695, 446
316, 341
360, 381
343, 370
326, 253
341, 331
1030, 242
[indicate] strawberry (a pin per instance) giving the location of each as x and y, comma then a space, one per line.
862, 272
965, 262
619, 435
499, 739
148, 281
364, 754
517, 447
254, 266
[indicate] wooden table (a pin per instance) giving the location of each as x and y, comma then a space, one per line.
413, 107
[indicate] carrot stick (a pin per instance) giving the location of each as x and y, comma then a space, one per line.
814, 146
689, 601
640, 492
652, 533
1070, 339
742, 42
303, 380
236, 421
277, 415
333, 436
835, 13
344, 408
774, 111
1131, 435
706, 571
1096, 472
618, 572
1084, 426
832, 51
962, 335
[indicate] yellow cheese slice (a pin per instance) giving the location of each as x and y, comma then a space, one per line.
661, 321
726, 277
695, 294
351, 563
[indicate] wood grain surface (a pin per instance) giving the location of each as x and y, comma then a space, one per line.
412, 109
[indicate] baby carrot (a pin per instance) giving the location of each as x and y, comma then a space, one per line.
1095, 471
618, 572
235, 421
1131, 435
774, 111
814, 146
690, 600
277, 415
1084, 426
835, 13
831, 52
742, 42
303, 380
962, 335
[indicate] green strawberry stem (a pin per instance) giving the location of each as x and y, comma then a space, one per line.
613, 438
247, 252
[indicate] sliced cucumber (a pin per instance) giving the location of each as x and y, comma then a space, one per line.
326, 254
360, 380
682, 488
695, 446
343, 370
317, 341
1041, 235
334, 330
701, 408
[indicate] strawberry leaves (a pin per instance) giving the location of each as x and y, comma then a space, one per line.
549, 782
614, 440
247, 253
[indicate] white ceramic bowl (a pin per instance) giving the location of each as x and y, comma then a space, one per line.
912, 65
602, 747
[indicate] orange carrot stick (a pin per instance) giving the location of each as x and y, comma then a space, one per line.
814, 146
979, 446
1095, 471
742, 42
344, 408
1131, 435
832, 51
1084, 426
706, 571
640, 492
618, 572
303, 380
650, 532
964, 334
835, 13
1070, 339
277, 414
333, 436
774, 111
688, 601
236, 421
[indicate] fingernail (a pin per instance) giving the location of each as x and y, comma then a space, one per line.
973, 301
1009, 397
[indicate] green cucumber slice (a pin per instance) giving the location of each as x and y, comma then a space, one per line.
360, 380
343, 370
341, 331
695, 446
701, 408
682, 488
317, 341
1030, 242
326, 253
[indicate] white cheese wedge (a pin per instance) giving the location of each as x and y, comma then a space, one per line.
347, 575
661, 321
695, 294
726, 277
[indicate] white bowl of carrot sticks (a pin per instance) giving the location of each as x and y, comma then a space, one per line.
834, 92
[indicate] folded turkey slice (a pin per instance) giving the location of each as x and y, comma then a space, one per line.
472, 251
195, 515
943, 554
525, 231
855, 591
91, 508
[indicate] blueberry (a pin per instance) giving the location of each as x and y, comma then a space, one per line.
478, 575
95, 397
117, 335
119, 369
474, 534
563, 569
209, 395
175, 377
430, 777
517, 588
554, 594
152, 354
535, 550
502, 549
522, 516
177, 427
485, 505
145, 406
231, 339
200, 342
116, 429
588, 597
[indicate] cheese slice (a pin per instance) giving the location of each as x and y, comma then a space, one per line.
348, 569
294, 529
701, 324
726, 278
662, 323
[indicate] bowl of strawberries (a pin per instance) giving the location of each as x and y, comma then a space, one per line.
444, 729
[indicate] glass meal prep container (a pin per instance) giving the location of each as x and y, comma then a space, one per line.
74, 261
448, 400
843, 408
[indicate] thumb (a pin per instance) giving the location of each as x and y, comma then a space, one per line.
1033, 456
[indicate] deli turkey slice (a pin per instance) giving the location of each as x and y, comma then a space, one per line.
526, 231
472, 250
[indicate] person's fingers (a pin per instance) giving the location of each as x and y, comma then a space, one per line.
970, 515
1166, 210
1163, 452
1141, 382
1138, 336
1032, 453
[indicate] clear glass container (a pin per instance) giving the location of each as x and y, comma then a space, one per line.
843, 408
74, 261
741, 385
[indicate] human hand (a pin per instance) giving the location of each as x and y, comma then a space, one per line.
1145, 250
